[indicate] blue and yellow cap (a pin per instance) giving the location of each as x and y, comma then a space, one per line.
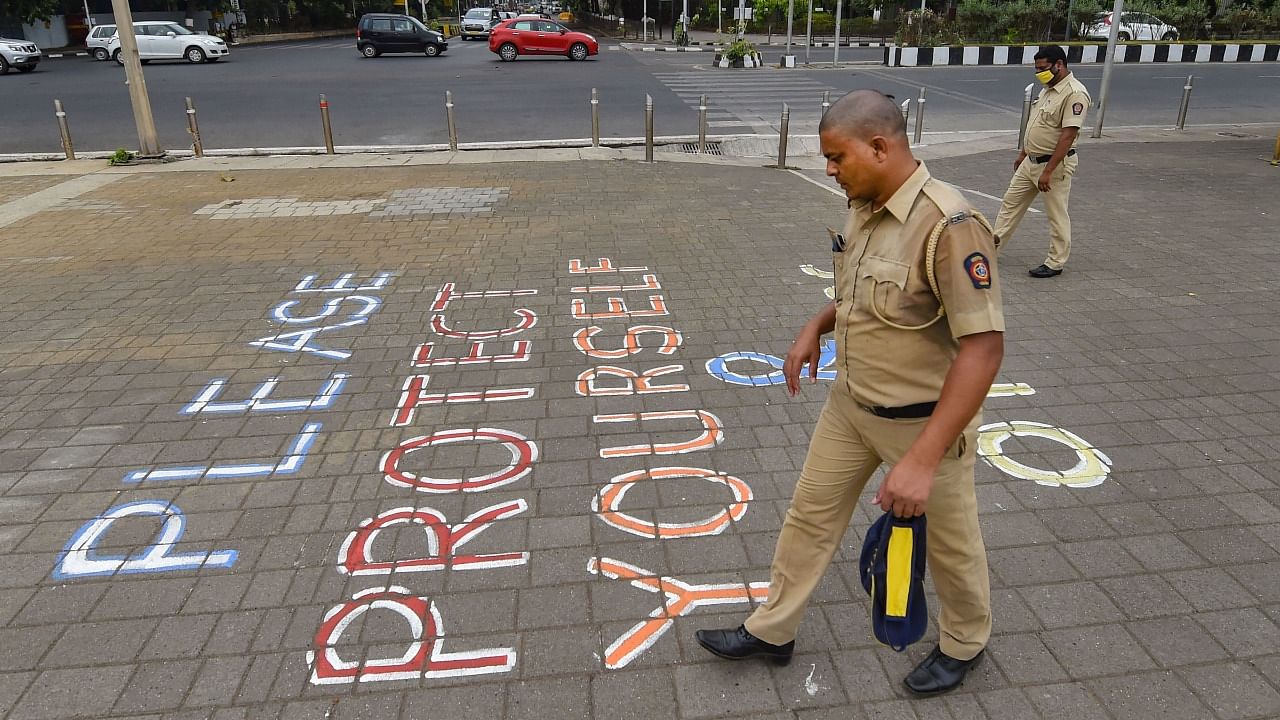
892, 567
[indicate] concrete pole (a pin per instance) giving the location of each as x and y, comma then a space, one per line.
742, 18
1116, 13
835, 57
808, 33
148, 139
788, 60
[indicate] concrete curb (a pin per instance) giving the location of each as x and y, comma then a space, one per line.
1082, 54
740, 150
656, 48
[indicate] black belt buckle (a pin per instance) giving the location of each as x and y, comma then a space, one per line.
904, 412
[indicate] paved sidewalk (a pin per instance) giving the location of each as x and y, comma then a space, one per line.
327, 442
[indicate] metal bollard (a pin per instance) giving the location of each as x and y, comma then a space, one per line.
193, 127
826, 102
64, 130
648, 128
1026, 113
328, 127
783, 132
919, 116
1186, 103
702, 124
906, 111
453, 127
595, 118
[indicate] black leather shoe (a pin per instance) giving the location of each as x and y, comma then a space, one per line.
1044, 271
939, 673
738, 644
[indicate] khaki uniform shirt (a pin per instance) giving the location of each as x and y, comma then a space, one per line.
881, 274
1061, 106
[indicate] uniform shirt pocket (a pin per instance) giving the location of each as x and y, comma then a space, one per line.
883, 286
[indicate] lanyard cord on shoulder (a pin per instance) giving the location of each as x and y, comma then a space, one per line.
930, 273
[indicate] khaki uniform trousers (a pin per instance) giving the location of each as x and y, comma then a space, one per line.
1017, 199
848, 445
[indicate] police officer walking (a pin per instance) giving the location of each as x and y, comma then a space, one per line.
919, 338
1048, 158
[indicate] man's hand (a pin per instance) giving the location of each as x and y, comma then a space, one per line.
905, 491
806, 350
1044, 183
1018, 163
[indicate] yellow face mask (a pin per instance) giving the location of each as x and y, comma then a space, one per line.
1045, 76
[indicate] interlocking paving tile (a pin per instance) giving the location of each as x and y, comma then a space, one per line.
1122, 598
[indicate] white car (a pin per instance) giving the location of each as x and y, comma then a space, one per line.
97, 41
170, 41
22, 55
1133, 26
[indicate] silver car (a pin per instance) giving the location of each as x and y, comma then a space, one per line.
97, 41
478, 22
23, 55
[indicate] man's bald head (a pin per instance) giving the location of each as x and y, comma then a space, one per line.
865, 114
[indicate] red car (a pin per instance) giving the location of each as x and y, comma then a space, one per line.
532, 36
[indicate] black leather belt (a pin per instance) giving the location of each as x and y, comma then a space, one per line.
906, 412
1042, 159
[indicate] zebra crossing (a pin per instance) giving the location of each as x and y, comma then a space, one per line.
748, 100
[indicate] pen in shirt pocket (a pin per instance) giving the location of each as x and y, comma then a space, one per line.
837, 241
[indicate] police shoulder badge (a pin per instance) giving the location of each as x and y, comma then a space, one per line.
979, 270
1077, 108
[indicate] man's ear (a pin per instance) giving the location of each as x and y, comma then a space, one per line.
879, 146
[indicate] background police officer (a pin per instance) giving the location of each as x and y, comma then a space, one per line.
910, 382
1048, 158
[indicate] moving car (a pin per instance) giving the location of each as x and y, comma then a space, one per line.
97, 41
385, 32
533, 36
478, 22
21, 54
160, 40
1133, 26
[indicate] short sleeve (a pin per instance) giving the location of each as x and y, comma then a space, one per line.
965, 264
1074, 109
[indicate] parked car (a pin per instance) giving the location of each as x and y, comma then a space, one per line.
21, 54
1133, 26
478, 22
97, 41
383, 32
530, 36
158, 40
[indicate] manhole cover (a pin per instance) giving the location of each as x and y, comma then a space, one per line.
1236, 135
711, 148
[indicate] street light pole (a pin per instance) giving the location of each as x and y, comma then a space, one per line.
742, 18
808, 33
148, 140
1116, 14
789, 60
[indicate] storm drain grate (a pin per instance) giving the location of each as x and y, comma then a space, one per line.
711, 148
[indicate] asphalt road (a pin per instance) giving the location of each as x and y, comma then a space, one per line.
267, 96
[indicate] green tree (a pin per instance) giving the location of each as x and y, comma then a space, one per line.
29, 11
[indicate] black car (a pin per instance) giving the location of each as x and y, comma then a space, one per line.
383, 32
